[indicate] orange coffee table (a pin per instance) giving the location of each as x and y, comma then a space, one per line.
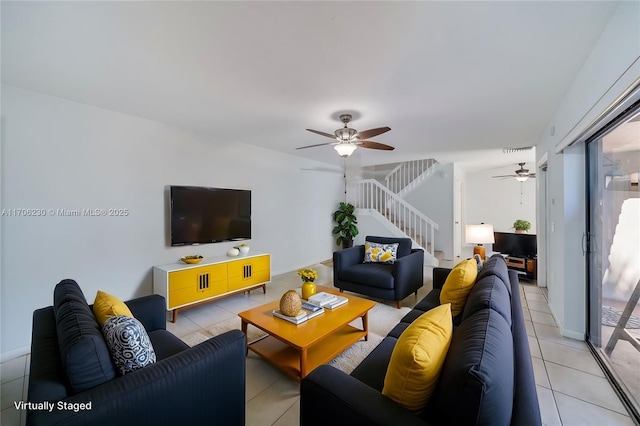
298, 349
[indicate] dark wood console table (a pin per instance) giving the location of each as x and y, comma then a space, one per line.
526, 267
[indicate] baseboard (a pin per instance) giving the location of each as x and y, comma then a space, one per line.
571, 334
6, 356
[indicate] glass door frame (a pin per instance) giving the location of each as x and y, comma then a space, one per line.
589, 245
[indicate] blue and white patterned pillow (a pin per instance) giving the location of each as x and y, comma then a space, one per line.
128, 343
380, 253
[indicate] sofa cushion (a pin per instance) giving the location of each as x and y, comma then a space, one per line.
380, 253
430, 301
417, 359
106, 305
398, 329
497, 266
165, 344
488, 292
371, 274
373, 368
458, 285
404, 244
83, 351
479, 373
128, 343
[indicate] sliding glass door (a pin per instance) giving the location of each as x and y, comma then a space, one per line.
613, 243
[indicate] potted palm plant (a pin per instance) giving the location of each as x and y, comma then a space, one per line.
345, 228
521, 226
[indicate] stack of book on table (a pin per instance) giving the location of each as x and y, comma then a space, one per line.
327, 300
308, 311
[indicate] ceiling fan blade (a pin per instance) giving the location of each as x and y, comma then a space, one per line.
372, 132
504, 176
374, 145
321, 133
318, 144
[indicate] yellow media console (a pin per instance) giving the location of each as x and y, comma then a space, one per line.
184, 286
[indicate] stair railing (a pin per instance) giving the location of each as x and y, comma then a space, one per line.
408, 173
371, 194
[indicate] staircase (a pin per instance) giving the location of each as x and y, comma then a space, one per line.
396, 214
409, 175
386, 203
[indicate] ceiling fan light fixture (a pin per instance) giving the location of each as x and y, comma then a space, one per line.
345, 149
522, 178
345, 134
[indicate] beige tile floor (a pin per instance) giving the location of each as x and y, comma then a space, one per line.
572, 389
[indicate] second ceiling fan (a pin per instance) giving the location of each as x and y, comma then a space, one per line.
521, 174
348, 139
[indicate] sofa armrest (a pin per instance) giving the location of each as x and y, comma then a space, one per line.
347, 257
151, 311
440, 276
194, 386
409, 273
526, 408
327, 395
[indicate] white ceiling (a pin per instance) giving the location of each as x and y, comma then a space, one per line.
455, 81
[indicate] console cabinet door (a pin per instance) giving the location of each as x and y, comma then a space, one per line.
196, 284
247, 272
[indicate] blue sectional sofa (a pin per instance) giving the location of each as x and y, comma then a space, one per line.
72, 371
487, 377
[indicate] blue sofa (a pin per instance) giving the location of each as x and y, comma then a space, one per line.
71, 366
487, 377
380, 280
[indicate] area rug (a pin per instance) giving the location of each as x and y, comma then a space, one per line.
611, 316
382, 318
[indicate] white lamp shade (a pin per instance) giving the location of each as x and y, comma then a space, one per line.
479, 234
345, 149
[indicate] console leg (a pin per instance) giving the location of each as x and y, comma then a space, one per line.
175, 315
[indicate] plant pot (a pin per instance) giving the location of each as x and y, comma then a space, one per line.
521, 231
308, 289
347, 244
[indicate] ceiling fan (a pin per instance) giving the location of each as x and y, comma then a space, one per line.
521, 174
348, 139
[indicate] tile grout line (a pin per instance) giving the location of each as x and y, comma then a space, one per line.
626, 414
546, 372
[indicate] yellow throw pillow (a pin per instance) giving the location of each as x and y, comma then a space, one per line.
380, 253
418, 357
458, 285
107, 305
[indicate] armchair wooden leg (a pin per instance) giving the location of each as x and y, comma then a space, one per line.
399, 304
341, 291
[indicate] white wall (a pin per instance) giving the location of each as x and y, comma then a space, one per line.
58, 154
611, 68
434, 198
499, 202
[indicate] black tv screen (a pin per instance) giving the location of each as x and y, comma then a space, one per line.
201, 215
517, 245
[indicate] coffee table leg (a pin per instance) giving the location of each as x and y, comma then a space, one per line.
365, 325
303, 362
244, 330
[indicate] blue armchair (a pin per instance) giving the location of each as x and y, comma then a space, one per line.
380, 280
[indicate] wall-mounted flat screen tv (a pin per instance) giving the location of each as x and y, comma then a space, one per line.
517, 245
200, 215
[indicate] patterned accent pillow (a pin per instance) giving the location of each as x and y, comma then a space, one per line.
128, 343
380, 253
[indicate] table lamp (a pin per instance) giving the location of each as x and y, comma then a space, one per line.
479, 234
